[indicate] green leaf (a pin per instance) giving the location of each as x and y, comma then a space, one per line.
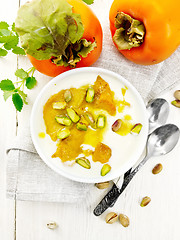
7, 85
17, 101
7, 94
46, 29
4, 25
89, 2
31, 82
23, 95
5, 32
11, 42
18, 50
3, 52
13, 27
3, 39
21, 73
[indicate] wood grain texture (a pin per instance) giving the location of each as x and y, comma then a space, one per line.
27, 220
8, 66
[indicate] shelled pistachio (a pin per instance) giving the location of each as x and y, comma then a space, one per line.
81, 126
73, 115
90, 95
63, 133
116, 125
136, 128
67, 96
59, 105
83, 162
101, 121
105, 169
63, 120
90, 119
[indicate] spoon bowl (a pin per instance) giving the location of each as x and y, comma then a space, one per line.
158, 111
162, 140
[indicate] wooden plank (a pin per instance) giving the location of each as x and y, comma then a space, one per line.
159, 220
8, 66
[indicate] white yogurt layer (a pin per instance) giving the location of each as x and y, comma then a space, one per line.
125, 149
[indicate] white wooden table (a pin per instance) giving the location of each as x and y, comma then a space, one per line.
27, 220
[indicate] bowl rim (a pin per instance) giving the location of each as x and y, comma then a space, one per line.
128, 164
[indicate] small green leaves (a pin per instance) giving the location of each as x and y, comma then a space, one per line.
9, 40
18, 50
18, 96
3, 52
4, 25
21, 73
17, 101
7, 85
31, 82
23, 95
7, 94
89, 2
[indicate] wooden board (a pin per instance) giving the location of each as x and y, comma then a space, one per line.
27, 220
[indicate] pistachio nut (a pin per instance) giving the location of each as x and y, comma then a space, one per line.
177, 94
116, 125
84, 162
105, 169
124, 220
90, 95
59, 105
90, 119
157, 169
111, 217
176, 103
145, 201
67, 96
136, 128
102, 185
52, 225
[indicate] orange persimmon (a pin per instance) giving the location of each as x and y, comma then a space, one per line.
145, 32
92, 32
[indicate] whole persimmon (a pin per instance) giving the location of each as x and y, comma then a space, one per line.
59, 35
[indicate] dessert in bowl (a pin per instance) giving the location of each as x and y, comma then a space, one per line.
89, 125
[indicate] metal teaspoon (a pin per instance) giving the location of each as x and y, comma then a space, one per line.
160, 142
158, 111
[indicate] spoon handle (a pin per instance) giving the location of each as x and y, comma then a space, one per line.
125, 175
107, 201
111, 197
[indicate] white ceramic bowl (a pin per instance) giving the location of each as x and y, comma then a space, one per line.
126, 150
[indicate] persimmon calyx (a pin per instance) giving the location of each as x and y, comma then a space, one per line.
130, 32
74, 53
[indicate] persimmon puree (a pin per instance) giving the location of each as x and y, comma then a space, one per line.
103, 102
103, 152
104, 97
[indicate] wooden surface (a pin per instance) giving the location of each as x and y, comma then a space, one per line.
27, 220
